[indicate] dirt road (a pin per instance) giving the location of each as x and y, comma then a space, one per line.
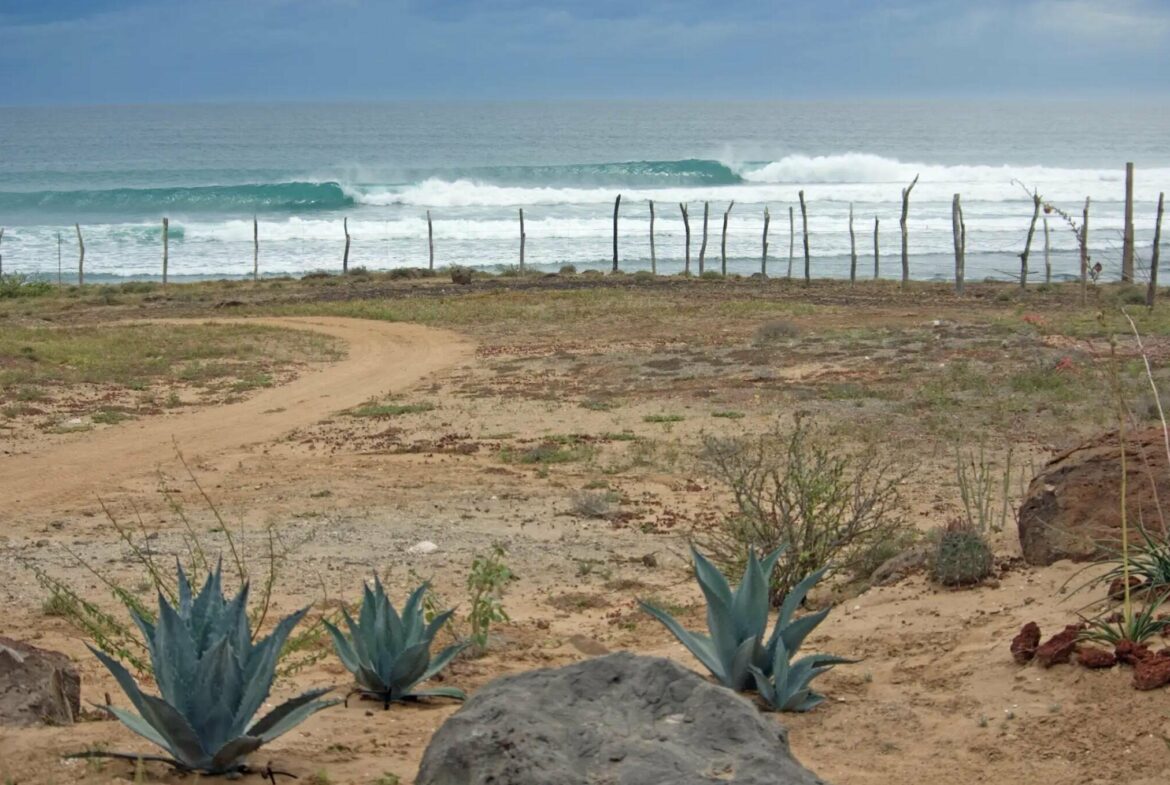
382, 358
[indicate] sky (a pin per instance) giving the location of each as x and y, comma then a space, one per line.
176, 51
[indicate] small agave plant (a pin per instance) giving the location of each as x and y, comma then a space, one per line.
211, 678
388, 654
736, 652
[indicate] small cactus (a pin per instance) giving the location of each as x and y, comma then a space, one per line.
962, 556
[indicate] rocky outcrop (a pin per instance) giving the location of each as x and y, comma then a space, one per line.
37, 686
1072, 508
621, 720
1025, 643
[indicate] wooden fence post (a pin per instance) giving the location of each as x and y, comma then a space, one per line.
804, 219
524, 239
876, 253
703, 247
59, 280
791, 240
687, 226
1047, 254
959, 232
345, 253
1127, 232
1, 255
723, 244
1152, 290
166, 248
80, 256
1036, 201
430, 242
1084, 248
616, 204
653, 253
255, 250
852, 249
905, 233
764, 255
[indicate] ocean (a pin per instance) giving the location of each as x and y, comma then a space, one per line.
301, 169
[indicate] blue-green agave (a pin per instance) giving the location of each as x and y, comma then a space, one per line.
736, 649
388, 654
787, 687
211, 678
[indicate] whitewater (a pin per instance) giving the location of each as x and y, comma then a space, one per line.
474, 175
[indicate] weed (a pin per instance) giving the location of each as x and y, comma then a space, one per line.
391, 409
663, 418
595, 504
110, 417
387, 778
548, 452
597, 406
728, 415
775, 332
486, 582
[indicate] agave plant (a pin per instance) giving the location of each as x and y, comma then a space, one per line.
388, 654
787, 688
738, 621
212, 678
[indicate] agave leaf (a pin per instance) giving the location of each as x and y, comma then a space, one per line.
698, 645
260, 667
436, 624
371, 681
795, 598
443, 658
182, 740
279, 720
356, 638
749, 604
793, 634
231, 755
138, 725
809, 703
768, 563
764, 685
438, 692
409, 668
711, 581
184, 591
344, 649
739, 671
216, 690
412, 621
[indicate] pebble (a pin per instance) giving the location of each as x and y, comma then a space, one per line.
422, 548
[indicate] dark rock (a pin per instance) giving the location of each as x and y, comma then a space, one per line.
1151, 673
620, 720
1131, 653
1117, 587
1094, 658
1025, 643
461, 275
37, 686
1071, 509
899, 567
1059, 647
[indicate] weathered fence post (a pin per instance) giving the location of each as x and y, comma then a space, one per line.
905, 233
166, 248
723, 244
1127, 235
524, 238
852, 248
959, 232
1, 255
687, 226
255, 250
653, 253
59, 279
804, 219
80, 256
617, 203
1084, 248
1047, 254
876, 253
764, 255
1152, 290
430, 242
703, 247
345, 253
1028, 243
791, 240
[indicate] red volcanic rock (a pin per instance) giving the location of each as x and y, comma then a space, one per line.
1117, 587
1132, 653
1025, 643
1094, 658
1059, 647
1151, 673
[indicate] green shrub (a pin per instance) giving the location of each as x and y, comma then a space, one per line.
962, 556
486, 582
775, 331
568, 269
17, 285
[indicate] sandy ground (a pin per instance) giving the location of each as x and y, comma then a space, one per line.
936, 697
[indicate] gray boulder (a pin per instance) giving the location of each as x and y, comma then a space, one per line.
37, 686
614, 720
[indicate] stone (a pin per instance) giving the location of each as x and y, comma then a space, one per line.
1151, 673
1025, 643
37, 686
1059, 647
423, 548
1094, 658
1072, 510
898, 567
621, 719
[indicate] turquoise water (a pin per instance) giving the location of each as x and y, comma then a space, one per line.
302, 169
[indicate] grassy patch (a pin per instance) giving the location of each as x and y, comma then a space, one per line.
663, 418
111, 417
729, 415
391, 409
548, 452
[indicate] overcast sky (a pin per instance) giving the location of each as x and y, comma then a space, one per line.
131, 51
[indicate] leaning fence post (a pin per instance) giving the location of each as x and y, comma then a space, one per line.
653, 253
791, 240
166, 248
524, 239
255, 250
1127, 231
59, 281
687, 226
804, 219
430, 242
345, 253
905, 232
723, 244
959, 233
876, 252
1047, 254
764, 255
1152, 291
703, 247
617, 203
1, 255
1036, 201
80, 256
852, 248
1083, 239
